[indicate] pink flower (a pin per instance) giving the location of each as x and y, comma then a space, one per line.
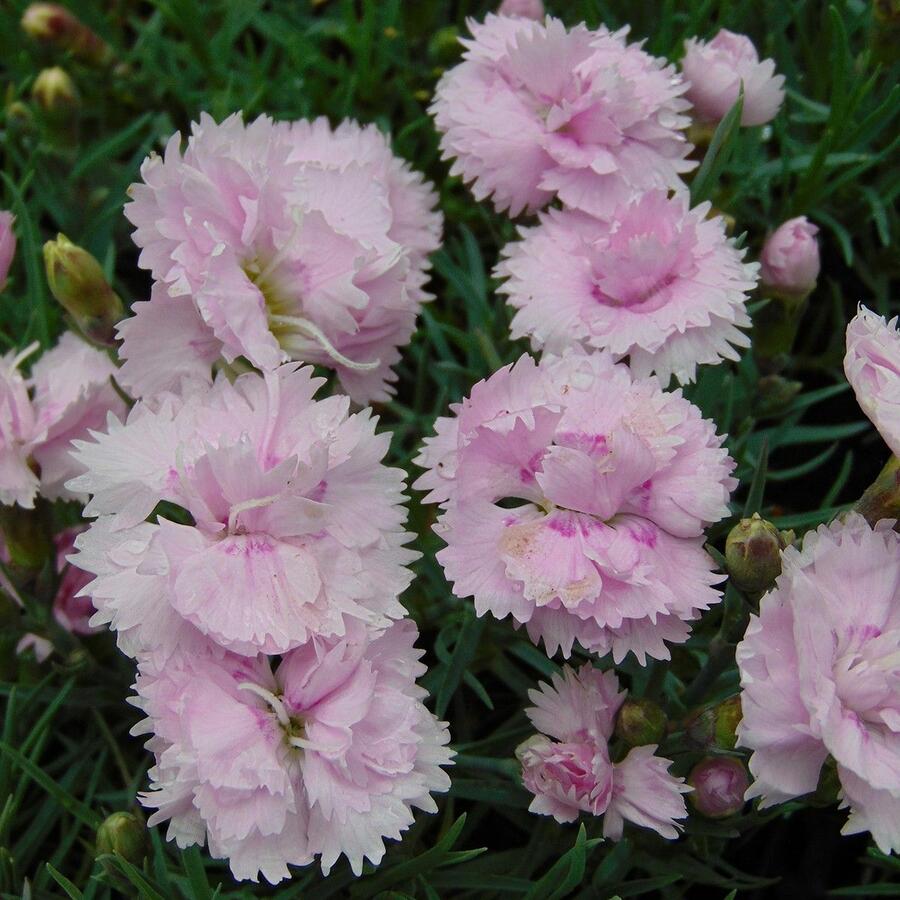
719, 784
820, 675
568, 769
289, 524
717, 68
526, 9
660, 283
575, 497
285, 241
535, 111
40, 647
7, 244
70, 608
872, 366
322, 755
790, 258
69, 392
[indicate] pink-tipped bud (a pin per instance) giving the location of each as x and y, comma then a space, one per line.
524, 9
7, 244
753, 554
55, 25
790, 259
719, 784
55, 93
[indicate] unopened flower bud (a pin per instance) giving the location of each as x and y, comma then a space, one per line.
719, 784
53, 24
123, 834
753, 554
444, 47
524, 9
774, 394
19, 118
55, 93
78, 283
728, 715
640, 722
790, 259
7, 244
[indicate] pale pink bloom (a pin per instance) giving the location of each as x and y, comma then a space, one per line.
660, 284
295, 524
717, 68
526, 9
575, 497
40, 647
69, 392
285, 243
324, 754
872, 366
7, 244
790, 258
535, 111
820, 671
567, 766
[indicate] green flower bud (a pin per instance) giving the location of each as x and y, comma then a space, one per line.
78, 283
774, 394
728, 715
753, 554
55, 93
444, 47
55, 25
124, 834
641, 722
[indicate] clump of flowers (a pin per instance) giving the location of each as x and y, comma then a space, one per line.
68, 392
567, 766
574, 499
872, 366
536, 111
283, 243
820, 676
322, 754
659, 283
716, 70
281, 522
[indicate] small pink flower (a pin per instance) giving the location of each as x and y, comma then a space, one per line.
660, 283
820, 675
567, 766
324, 754
40, 647
575, 497
872, 366
289, 525
285, 241
719, 785
71, 608
717, 68
525, 9
790, 258
535, 111
69, 392
7, 244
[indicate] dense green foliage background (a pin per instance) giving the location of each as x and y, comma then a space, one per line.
67, 759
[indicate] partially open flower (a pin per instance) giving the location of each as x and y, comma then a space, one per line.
719, 784
790, 258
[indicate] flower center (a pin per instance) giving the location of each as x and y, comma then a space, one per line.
293, 725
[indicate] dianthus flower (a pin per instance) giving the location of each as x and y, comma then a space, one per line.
716, 70
323, 754
820, 675
660, 283
535, 111
275, 242
281, 522
568, 768
69, 391
872, 366
575, 498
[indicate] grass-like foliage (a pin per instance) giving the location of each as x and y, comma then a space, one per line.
804, 454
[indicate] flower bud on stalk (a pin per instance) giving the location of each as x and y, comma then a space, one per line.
719, 783
641, 722
7, 244
55, 25
882, 498
774, 394
123, 834
753, 554
728, 715
55, 93
78, 283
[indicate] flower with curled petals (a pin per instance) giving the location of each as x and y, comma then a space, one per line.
820, 672
575, 497
567, 766
659, 283
282, 523
536, 111
324, 754
872, 366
